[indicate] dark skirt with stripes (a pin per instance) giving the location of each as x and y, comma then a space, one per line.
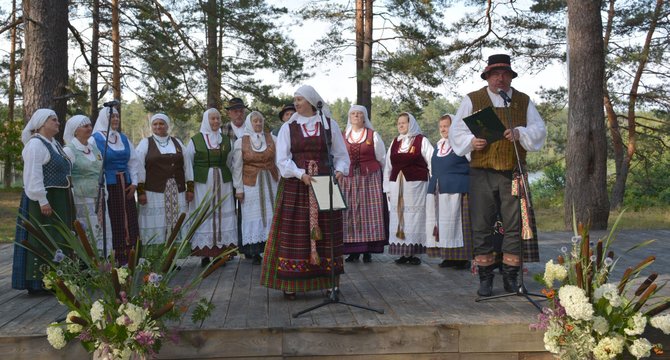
27, 268
123, 216
364, 229
286, 263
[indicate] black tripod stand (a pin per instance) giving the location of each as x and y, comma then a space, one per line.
521, 290
333, 297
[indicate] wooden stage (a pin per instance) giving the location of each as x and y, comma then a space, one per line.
429, 313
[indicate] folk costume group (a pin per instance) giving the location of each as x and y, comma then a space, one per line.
441, 200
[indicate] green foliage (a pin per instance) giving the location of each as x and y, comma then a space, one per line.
649, 184
548, 190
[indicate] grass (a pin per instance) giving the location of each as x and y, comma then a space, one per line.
548, 219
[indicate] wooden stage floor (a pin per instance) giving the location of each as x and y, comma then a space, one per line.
429, 312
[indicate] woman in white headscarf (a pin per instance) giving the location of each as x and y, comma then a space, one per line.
165, 183
297, 254
46, 197
406, 177
121, 169
86, 165
209, 152
448, 230
364, 228
255, 177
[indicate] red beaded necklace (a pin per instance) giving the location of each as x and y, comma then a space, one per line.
316, 129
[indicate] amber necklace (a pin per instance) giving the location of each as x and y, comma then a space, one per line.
355, 141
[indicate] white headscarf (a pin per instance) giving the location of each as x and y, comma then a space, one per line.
103, 121
362, 109
160, 116
414, 128
206, 129
257, 138
451, 121
72, 125
40, 116
313, 98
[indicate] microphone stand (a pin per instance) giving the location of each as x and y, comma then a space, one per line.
101, 203
521, 291
333, 297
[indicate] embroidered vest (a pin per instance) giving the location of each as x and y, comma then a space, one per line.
253, 162
206, 158
362, 155
57, 170
161, 167
85, 172
115, 161
309, 148
411, 163
451, 172
500, 154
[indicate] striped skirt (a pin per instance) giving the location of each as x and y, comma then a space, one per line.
364, 229
123, 216
286, 264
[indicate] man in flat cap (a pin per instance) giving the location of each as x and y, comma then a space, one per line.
284, 115
493, 168
236, 114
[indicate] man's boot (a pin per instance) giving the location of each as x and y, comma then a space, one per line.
510, 274
485, 280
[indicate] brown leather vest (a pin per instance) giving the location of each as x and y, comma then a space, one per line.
253, 162
161, 167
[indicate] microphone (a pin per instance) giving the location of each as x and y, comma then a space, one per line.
504, 95
319, 104
112, 103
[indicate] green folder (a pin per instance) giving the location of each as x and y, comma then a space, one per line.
485, 124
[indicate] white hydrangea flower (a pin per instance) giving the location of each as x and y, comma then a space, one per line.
73, 328
608, 348
135, 314
661, 322
97, 312
48, 284
636, 325
55, 336
640, 348
554, 272
600, 325
610, 292
123, 274
575, 302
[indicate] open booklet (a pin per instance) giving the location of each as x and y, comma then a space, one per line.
485, 124
320, 188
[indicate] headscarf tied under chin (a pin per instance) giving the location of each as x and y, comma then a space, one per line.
206, 129
40, 116
414, 128
313, 98
160, 116
72, 125
257, 138
362, 109
102, 123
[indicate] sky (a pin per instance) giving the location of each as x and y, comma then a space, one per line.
334, 81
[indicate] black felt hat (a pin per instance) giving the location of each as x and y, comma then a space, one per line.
499, 61
235, 103
286, 108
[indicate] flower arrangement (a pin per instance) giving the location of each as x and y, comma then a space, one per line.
118, 311
591, 317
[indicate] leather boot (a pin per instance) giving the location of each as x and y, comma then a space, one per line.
510, 274
485, 280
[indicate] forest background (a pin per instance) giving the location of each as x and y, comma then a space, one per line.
421, 56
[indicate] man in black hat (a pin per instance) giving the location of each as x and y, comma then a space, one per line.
284, 115
236, 114
493, 165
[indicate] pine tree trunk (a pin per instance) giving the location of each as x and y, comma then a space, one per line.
586, 153
95, 39
116, 52
44, 73
360, 12
364, 54
11, 93
213, 76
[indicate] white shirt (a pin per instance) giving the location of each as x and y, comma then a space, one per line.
287, 167
35, 155
143, 149
531, 137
